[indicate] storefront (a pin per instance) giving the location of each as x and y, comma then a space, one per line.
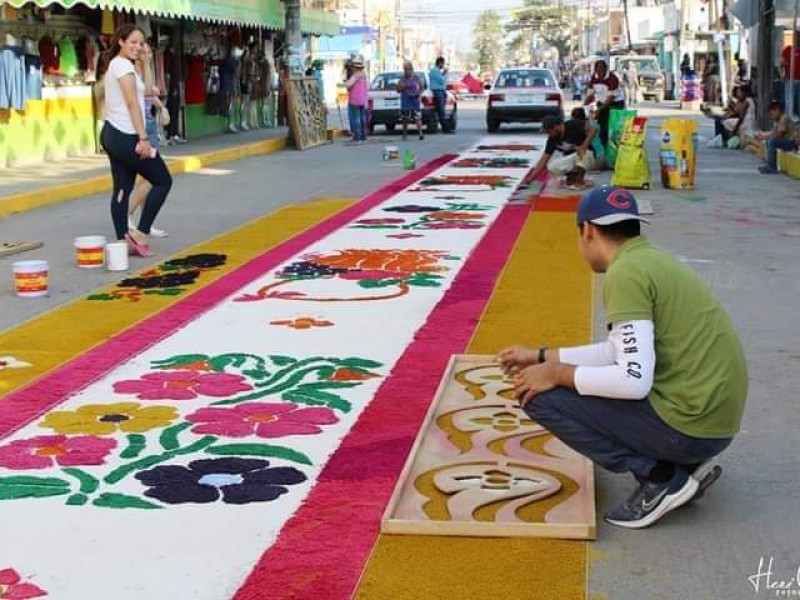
214, 63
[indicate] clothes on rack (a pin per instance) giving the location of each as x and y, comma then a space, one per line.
13, 87
195, 84
68, 63
48, 51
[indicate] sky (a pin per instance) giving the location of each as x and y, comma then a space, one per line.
454, 19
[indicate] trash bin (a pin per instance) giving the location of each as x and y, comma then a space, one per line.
677, 153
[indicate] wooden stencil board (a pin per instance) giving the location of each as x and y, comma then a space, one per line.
481, 467
307, 114
9, 248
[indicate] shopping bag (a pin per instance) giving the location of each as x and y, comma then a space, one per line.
631, 169
678, 152
616, 122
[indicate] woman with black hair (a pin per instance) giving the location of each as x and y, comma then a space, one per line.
125, 140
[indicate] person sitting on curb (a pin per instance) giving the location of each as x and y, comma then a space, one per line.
783, 136
665, 393
568, 150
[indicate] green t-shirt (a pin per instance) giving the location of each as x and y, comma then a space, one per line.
700, 379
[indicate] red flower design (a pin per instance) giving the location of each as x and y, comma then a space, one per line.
263, 419
44, 451
12, 588
183, 385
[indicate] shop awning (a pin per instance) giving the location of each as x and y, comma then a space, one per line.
269, 14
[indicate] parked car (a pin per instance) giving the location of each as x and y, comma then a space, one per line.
455, 83
651, 78
384, 103
523, 95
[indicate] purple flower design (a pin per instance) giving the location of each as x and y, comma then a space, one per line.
235, 480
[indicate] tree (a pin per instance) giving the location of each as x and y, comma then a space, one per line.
487, 35
551, 22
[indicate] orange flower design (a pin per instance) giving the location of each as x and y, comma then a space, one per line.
303, 323
397, 261
345, 374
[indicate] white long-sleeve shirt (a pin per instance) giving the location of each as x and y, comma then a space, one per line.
620, 367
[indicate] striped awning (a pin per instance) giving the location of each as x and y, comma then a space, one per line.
269, 14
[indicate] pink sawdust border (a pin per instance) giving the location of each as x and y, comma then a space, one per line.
22, 406
322, 549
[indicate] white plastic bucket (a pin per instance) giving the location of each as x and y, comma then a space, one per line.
90, 251
31, 278
117, 256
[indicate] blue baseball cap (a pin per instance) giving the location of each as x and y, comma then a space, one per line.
608, 204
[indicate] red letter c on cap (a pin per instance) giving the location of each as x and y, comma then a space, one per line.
620, 199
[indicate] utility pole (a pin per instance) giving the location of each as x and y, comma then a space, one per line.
294, 38
766, 59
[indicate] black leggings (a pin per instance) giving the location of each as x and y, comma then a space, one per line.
125, 165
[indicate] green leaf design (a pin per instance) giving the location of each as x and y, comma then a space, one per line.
112, 500
148, 461
317, 398
282, 361
359, 363
370, 284
89, 484
101, 297
425, 280
328, 385
136, 444
77, 500
265, 450
169, 437
24, 486
179, 360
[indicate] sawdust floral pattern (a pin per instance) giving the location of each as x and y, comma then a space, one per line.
240, 447
12, 587
233, 480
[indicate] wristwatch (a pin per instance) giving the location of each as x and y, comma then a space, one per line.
542, 354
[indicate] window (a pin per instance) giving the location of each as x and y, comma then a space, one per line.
525, 79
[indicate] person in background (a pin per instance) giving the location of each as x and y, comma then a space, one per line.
664, 394
410, 88
711, 81
155, 115
783, 136
686, 66
356, 85
568, 149
605, 90
786, 63
438, 81
125, 140
741, 120
630, 78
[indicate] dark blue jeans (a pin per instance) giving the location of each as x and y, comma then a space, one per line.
358, 126
440, 102
620, 435
775, 144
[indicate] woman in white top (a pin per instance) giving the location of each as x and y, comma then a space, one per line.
124, 138
743, 119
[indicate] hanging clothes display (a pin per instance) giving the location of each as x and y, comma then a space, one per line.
68, 63
195, 84
48, 51
13, 91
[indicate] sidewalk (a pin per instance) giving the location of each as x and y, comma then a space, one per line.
34, 186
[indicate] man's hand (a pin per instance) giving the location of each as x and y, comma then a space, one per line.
517, 357
580, 151
534, 380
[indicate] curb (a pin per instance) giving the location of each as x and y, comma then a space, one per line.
48, 196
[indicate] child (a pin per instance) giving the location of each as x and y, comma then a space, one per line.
410, 88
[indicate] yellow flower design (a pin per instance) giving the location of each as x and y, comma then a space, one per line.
104, 419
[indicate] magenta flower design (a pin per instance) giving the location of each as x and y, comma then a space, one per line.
13, 588
183, 385
266, 420
44, 451
452, 225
